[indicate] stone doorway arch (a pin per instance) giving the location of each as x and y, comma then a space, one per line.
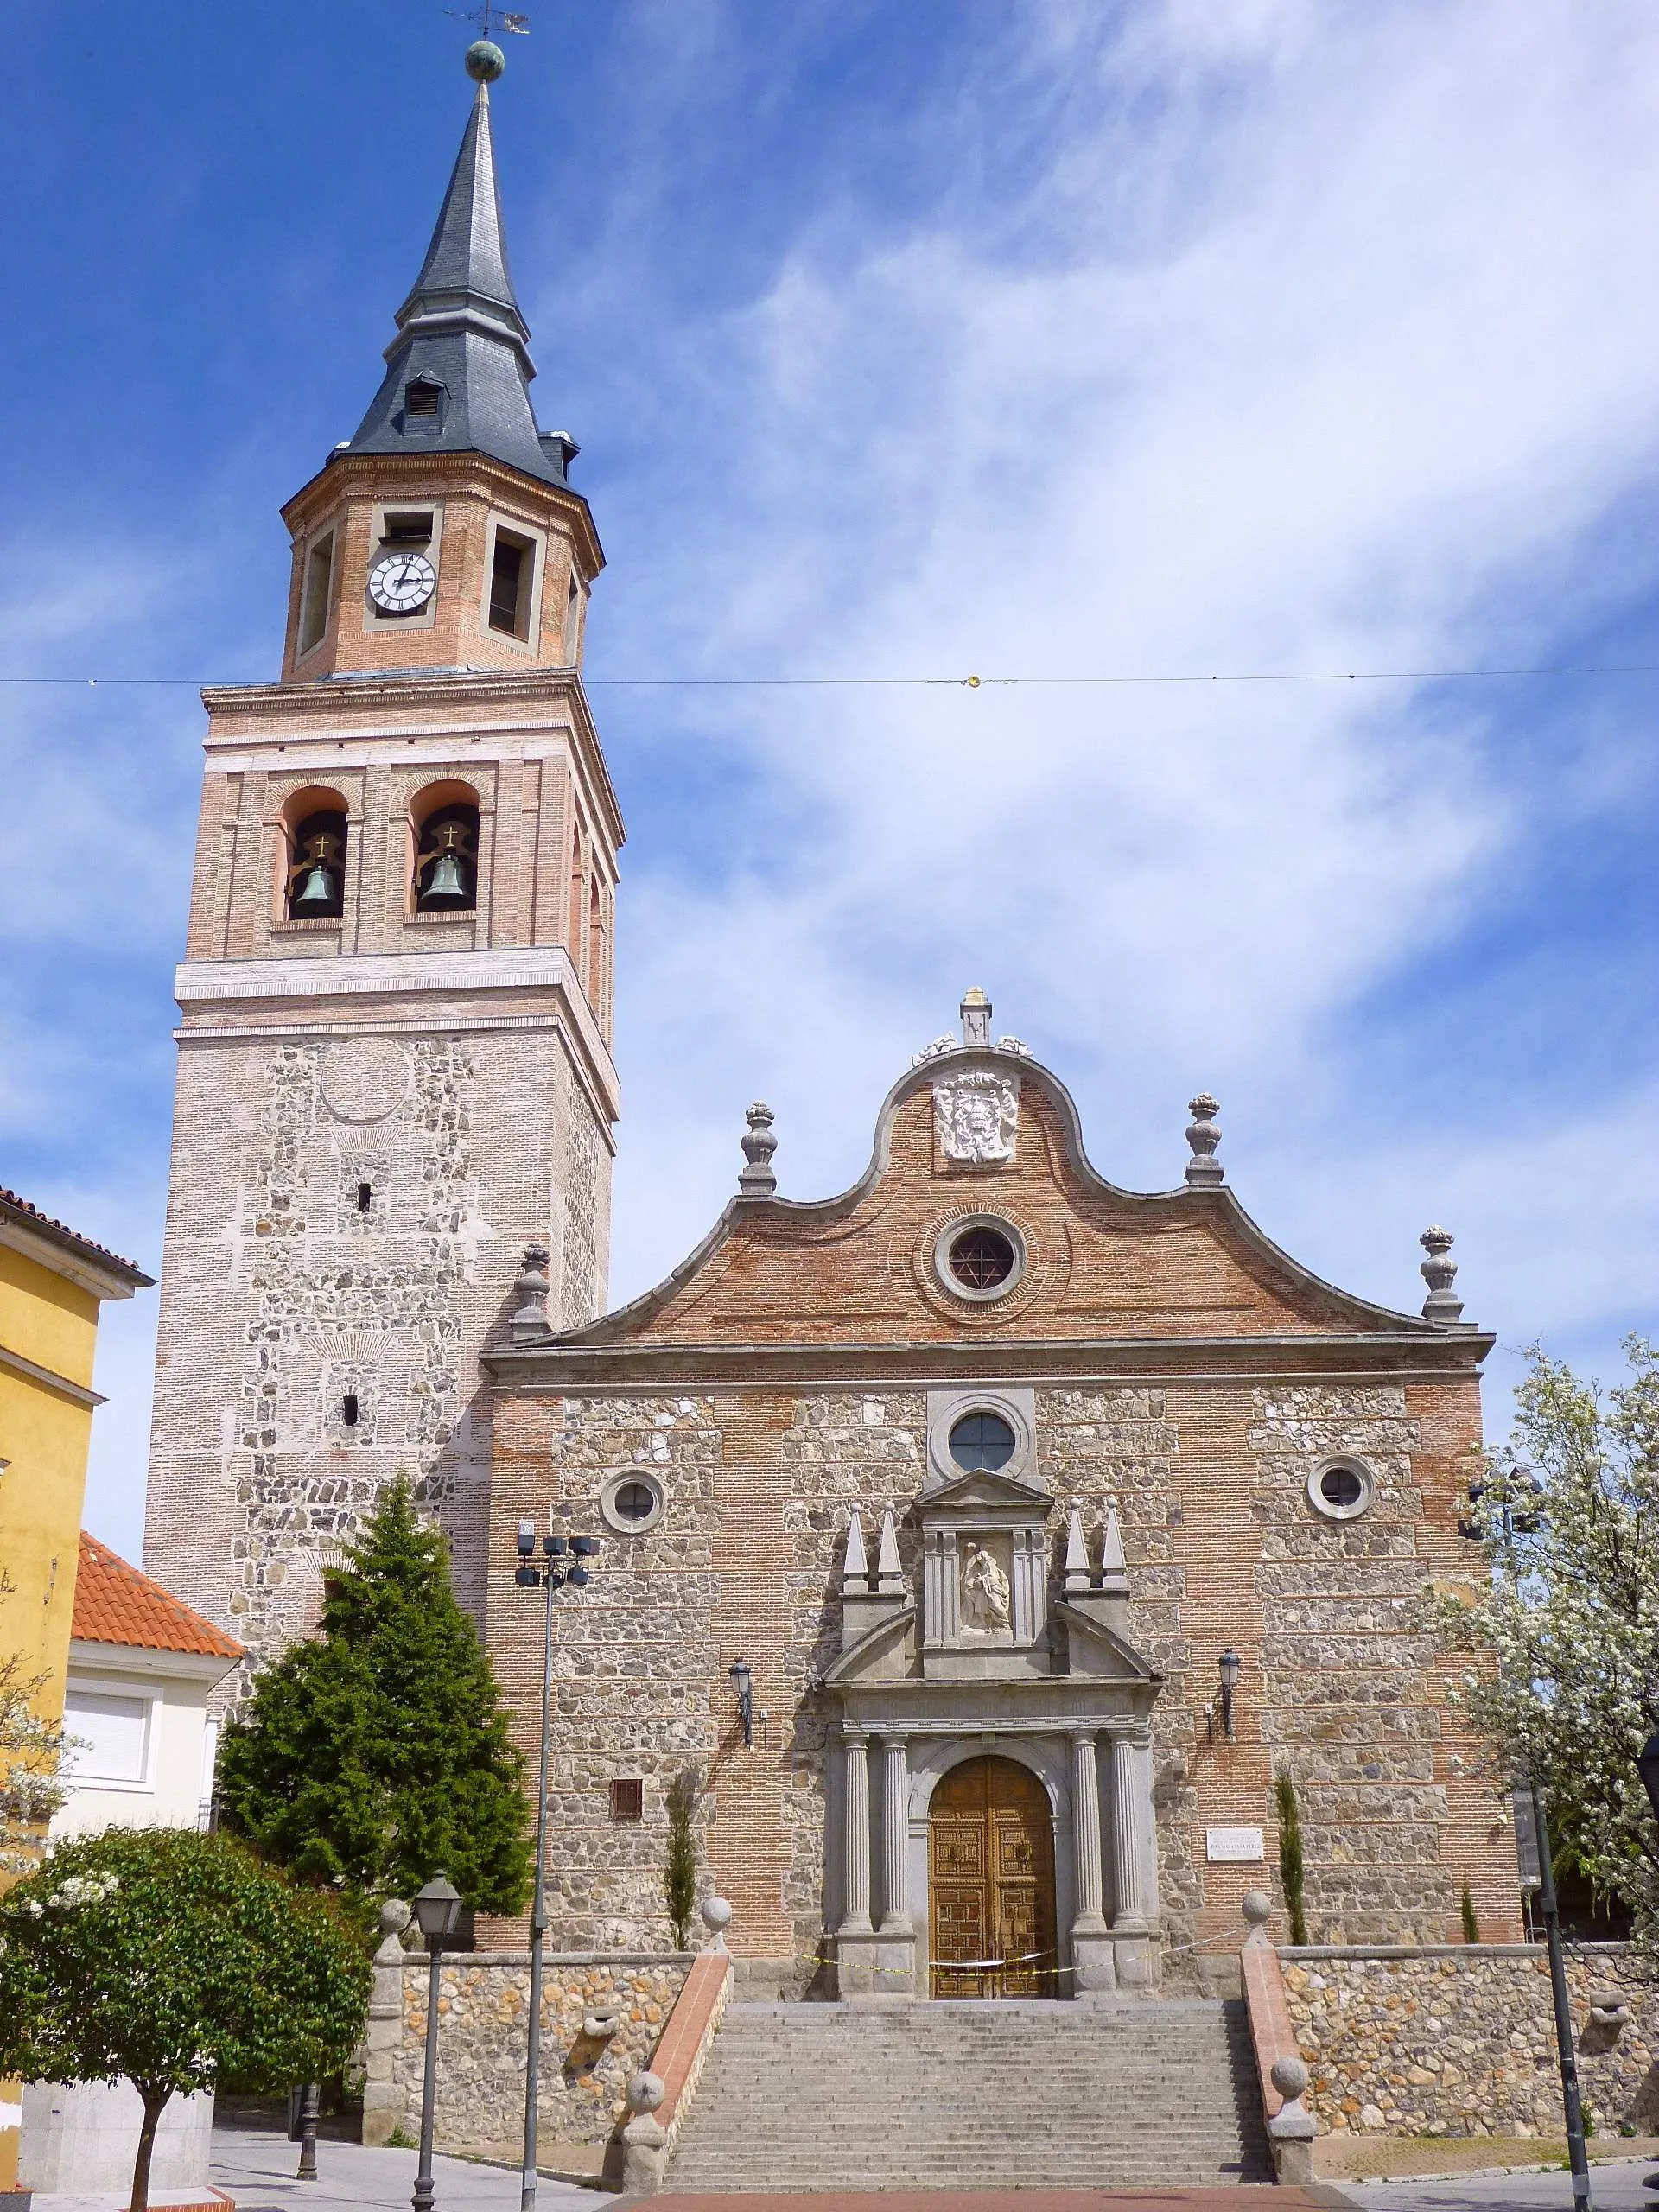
991, 1882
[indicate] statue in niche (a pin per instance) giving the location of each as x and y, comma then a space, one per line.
984, 1593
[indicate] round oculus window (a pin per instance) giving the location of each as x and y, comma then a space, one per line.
982, 1259
981, 1440
1341, 1490
632, 1503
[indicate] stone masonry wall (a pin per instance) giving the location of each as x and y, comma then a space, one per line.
1461, 2040
283, 1293
482, 2022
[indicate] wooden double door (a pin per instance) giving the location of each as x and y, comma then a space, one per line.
990, 1866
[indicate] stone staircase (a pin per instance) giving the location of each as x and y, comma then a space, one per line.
1012, 2094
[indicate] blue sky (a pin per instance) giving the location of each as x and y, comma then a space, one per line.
1028, 338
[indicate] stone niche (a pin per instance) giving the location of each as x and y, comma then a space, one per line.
984, 1579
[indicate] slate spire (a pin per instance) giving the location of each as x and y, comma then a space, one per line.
457, 372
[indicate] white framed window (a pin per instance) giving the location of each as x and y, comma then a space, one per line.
316, 590
117, 1732
514, 557
632, 1503
1341, 1489
979, 1257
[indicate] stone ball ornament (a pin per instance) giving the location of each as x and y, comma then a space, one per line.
1289, 2077
716, 1914
484, 61
646, 2091
1256, 1907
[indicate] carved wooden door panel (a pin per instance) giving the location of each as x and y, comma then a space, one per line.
991, 1882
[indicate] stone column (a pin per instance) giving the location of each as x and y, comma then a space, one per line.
1085, 1831
1127, 1874
895, 1837
1094, 1962
1134, 1948
855, 1921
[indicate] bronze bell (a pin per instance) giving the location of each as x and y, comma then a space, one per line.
317, 889
318, 884
449, 877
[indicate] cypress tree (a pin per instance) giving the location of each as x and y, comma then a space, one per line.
1290, 1854
680, 1865
1471, 1924
377, 1752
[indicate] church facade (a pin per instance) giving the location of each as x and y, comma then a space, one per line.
986, 1476
978, 1548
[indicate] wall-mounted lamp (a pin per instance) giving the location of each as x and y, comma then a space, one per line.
743, 1689
1228, 1666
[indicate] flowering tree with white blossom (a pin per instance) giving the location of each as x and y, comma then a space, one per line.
178, 1962
1561, 1642
32, 1752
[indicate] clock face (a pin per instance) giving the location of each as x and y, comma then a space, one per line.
402, 582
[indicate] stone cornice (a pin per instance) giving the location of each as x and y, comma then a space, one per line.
279, 984
346, 474
469, 701
573, 1365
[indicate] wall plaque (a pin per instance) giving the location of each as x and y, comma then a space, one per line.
1233, 1846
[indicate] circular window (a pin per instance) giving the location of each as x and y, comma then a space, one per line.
632, 1503
980, 1441
1341, 1490
980, 1258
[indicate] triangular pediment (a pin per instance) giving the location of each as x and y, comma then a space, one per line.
1094, 1649
884, 1655
985, 1490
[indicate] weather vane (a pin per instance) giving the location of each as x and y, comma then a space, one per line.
490, 18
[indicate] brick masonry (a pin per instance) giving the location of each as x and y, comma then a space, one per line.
780, 1382
1461, 2041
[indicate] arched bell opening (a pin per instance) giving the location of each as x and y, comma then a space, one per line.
316, 834
445, 821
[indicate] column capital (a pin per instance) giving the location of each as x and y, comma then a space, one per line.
854, 1738
888, 1736
1081, 1735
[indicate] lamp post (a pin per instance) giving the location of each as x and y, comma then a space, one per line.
743, 1689
437, 1908
1228, 1668
1570, 2102
551, 1576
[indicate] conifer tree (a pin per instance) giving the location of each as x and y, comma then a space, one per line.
1290, 1854
378, 1751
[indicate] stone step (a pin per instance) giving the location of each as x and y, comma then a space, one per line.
1028, 2093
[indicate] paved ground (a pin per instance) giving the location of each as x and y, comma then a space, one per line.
1617, 2187
257, 2168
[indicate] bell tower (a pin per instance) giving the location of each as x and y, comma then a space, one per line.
394, 1064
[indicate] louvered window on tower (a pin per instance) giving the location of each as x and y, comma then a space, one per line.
423, 401
510, 573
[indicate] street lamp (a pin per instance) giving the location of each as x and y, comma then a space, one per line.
743, 1688
1229, 1666
552, 1577
437, 1910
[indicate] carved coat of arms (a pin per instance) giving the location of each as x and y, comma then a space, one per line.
976, 1117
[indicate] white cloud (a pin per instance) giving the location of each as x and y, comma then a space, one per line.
1351, 375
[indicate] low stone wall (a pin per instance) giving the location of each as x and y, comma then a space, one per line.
1460, 2039
483, 2021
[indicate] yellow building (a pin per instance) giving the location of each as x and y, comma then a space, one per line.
51, 1284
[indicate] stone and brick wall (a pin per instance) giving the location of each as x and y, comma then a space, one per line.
281, 1295
482, 2020
1461, 2040
1209, 1480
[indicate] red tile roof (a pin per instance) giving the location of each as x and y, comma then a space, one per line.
115, 1604
59, 1232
